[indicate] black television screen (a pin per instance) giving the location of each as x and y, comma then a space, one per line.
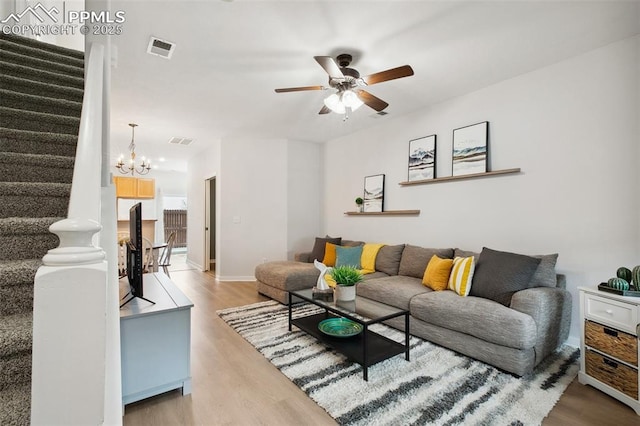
135, 250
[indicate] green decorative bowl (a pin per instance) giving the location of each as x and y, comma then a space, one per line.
340, 327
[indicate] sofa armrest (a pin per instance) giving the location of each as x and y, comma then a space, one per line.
303, 257
550, 309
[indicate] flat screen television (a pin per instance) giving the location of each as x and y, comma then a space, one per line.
135, 251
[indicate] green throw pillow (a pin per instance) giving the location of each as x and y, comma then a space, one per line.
348, 256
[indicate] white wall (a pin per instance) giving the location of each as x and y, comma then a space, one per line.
203, 165
304, 196
252, 224
573, 129
172, 183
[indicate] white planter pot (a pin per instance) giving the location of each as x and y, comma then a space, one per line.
345, 293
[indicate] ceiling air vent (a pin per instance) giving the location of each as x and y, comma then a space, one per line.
162, 48
180, 141
379, 114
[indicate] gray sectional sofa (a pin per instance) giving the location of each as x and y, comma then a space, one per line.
514, 338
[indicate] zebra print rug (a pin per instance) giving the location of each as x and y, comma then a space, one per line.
437, 386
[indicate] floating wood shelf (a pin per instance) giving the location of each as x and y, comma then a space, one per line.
385, 213
450, 178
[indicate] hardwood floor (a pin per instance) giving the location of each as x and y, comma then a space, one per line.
234, 385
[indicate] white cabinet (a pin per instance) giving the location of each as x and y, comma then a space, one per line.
155, 341
609, 344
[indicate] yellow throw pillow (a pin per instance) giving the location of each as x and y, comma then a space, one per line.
462, 275
368, 258
436, 276
329, 254
330, 281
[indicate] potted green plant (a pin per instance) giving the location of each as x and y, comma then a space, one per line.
346, 278
359, 204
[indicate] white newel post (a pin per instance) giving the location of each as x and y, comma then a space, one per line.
70, 295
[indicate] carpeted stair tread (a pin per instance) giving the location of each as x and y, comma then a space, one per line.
18, 272
23, 85
18, 167
16, 286
15, 369
16, 333
26, 225
35, 103
22, 199
38, 121
53, 65
40, 49
26, 238
30, 142
40, 75
35, 189
15, 405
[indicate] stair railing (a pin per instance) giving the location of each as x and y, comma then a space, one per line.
72, 316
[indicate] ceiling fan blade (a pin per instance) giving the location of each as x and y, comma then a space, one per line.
372, 101
392, 74
324, 110
300, 89
329, 66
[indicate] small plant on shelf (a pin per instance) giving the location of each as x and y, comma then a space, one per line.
346, 275
359, 203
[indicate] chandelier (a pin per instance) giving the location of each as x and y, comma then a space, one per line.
132, 168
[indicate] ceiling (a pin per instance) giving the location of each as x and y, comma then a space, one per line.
231, 55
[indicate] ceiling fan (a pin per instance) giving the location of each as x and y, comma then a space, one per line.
348, 83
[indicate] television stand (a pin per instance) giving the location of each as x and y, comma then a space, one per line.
155, 341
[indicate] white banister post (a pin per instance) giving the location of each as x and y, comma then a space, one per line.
70, 294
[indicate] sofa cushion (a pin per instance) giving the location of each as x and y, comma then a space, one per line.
374, 276
461, 276
545, 275
482, 318
415, 259
348, 256
287, 275
436, 276
319, 246
499, 274
388, 259
394, 290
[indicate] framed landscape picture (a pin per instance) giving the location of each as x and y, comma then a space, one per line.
422, 158
374, 193
470, 149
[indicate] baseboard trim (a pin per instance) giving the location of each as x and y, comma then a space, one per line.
573, 341
236, 278
195, 265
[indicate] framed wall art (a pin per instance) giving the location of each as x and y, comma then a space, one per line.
470, 149
422, 158
374, 193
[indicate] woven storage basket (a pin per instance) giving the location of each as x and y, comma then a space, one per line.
612, 342
612, 373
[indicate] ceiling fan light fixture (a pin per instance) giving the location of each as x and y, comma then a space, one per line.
334, 103
351, 100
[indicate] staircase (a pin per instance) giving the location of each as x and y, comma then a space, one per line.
41, 89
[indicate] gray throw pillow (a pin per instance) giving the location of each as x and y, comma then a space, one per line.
498, 275
545, 275
388, 259
319, 246
465, 253
415, 259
